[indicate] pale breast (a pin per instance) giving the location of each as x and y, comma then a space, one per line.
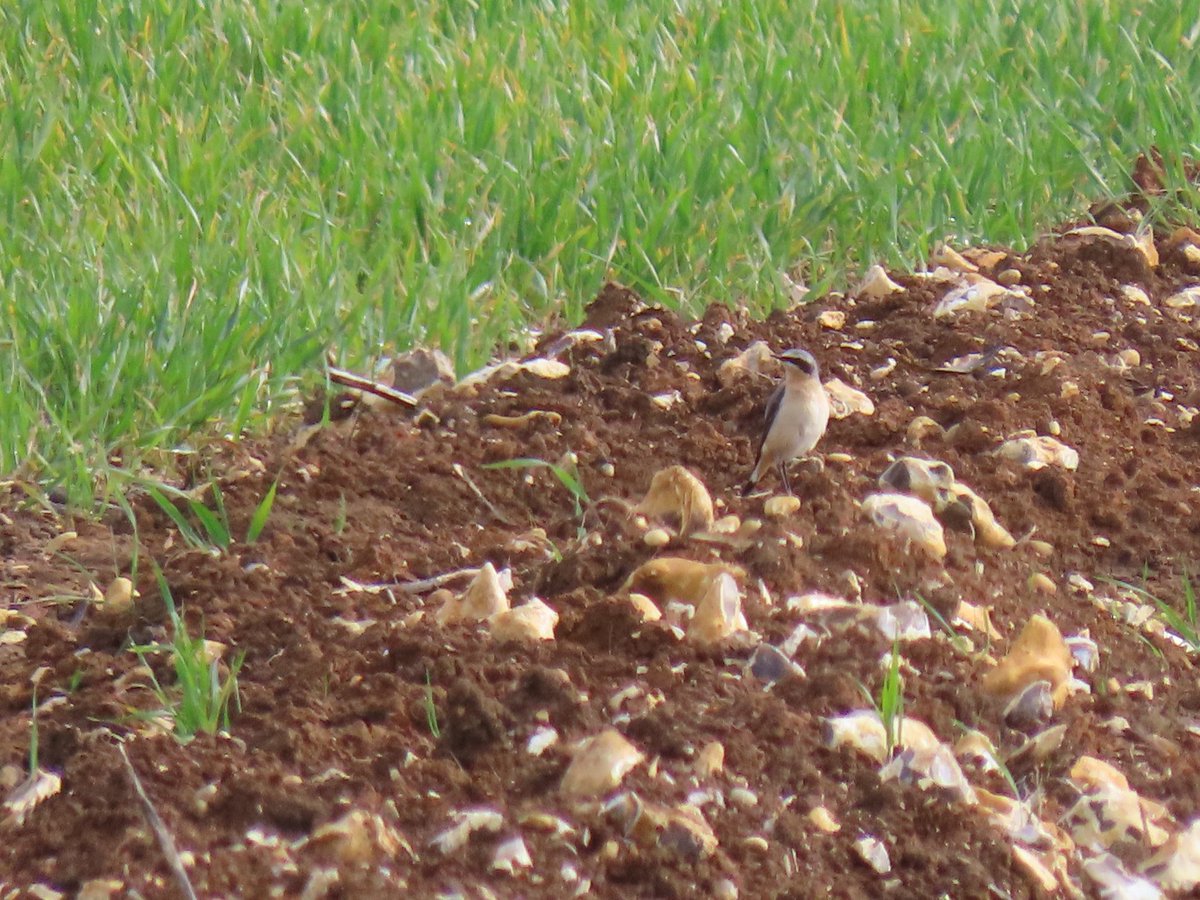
800, 422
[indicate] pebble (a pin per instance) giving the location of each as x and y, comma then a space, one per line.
1042, 583
781, 506
833, 319
656, 537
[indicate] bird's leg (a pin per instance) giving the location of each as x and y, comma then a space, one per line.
783, 476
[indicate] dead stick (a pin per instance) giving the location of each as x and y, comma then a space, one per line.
165, 841
358, 382
410, 587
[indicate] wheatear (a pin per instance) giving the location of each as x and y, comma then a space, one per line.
797, 414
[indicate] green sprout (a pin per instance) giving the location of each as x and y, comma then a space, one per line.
200, 698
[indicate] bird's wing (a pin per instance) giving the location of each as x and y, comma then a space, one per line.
769, 417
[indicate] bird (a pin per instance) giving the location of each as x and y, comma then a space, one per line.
795, 420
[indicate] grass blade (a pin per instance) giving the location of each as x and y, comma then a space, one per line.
263, 512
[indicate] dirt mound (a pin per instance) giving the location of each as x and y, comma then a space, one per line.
365, 729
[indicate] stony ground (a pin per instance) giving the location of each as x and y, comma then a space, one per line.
381, 750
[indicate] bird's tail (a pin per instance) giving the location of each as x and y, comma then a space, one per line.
752, 480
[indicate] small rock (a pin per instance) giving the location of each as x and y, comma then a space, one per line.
710, 760
1084, 651
1039, 653
846, 401
872, 851
1042, 548
645, 607
922, 428
903, 621
531, 621
466, 823
486, 596
675, 578
929, 767
599, 765
876, 284
780, 507
100, 889
1031, 707
678, 497
1176, 866
910, 518
1009, 277
359, 837
724, 889
769, 664
977, 618
977, 294
947, 256
1039, 747
656, 537
988, 532
1040, 451
541, 740
719, 614
743, 797
758, 358
1135, 294
40, 785
923, 478
862, 730
1036, 869
833, 319
1114, 881
1041, 583
119, 596
1184, 299
823, 820
510, 855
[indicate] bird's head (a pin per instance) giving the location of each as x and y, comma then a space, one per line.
799, 360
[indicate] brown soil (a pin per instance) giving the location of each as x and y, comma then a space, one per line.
333, 715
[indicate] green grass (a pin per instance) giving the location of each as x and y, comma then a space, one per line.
431, 719
199, 699
1182, 617
198, 200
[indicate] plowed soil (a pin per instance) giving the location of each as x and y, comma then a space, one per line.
338, 682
